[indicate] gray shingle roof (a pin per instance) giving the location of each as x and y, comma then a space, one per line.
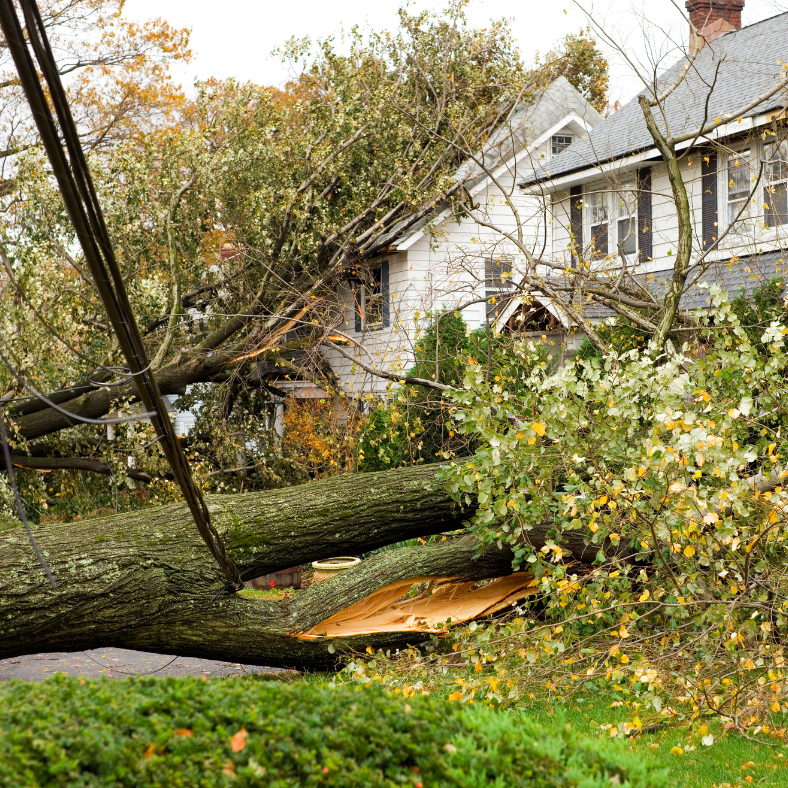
751, 61
739, 276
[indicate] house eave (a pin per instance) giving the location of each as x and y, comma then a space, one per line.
630, 161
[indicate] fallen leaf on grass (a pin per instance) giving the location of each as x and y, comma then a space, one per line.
183, 732
151, 751
238, 742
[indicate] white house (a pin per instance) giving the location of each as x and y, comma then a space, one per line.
447, 262
609, 191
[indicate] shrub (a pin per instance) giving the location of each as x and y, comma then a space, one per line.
187, 732
418, 425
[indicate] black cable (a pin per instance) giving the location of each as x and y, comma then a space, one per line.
79, 196
20, 507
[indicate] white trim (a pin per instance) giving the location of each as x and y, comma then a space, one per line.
629, 161
539, 298
502, 169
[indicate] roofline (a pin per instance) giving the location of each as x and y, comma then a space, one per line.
540, 298
416, 235
589, 171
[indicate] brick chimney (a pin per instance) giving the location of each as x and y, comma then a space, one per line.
712, 18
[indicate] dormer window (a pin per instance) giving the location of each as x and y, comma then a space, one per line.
560, 142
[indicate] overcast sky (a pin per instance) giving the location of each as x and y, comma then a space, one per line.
234, 38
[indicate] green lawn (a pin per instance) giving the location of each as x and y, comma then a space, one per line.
729, 761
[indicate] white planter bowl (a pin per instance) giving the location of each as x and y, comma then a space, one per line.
331, 567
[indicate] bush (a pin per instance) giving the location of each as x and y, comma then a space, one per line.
418, 425
188, 732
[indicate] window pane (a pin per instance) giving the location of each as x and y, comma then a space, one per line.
776, 198
596, 202
738, 185
561, 142
628, 234
599, 240
776, 162
497, 272
626, 202
374, 293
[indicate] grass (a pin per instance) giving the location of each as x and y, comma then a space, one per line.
268, 593
730, 761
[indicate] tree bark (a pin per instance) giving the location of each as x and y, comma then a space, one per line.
144, 579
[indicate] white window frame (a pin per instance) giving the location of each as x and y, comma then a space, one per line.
564, 143
618, 204
752, 226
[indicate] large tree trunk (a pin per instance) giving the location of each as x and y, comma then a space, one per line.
145, 580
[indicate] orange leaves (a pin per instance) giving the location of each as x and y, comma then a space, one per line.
238, 741
183, 732
150, 752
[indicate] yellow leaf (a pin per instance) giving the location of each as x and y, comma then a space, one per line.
151, 751
676, 751
689, 551
478, 667
455, 696
775, 707
624, 659
238, 742
645, 595
538, 428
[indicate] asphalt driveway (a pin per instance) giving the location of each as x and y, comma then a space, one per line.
118, 663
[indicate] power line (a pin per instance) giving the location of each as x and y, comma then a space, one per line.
79, 196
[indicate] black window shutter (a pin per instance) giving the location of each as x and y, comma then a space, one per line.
576, 218
384, 291
708, 169
644, 215
355, 291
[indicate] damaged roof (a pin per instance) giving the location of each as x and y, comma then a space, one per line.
526, 125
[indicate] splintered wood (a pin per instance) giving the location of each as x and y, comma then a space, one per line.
445, 599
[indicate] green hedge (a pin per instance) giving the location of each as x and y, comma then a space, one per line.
179, 732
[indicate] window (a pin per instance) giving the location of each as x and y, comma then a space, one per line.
371, 296
373, 300
597, 204
627, 220
497, 279
775, 192
738, 175
560, 142
611, 218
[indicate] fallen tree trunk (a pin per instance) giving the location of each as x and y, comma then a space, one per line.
145, 580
